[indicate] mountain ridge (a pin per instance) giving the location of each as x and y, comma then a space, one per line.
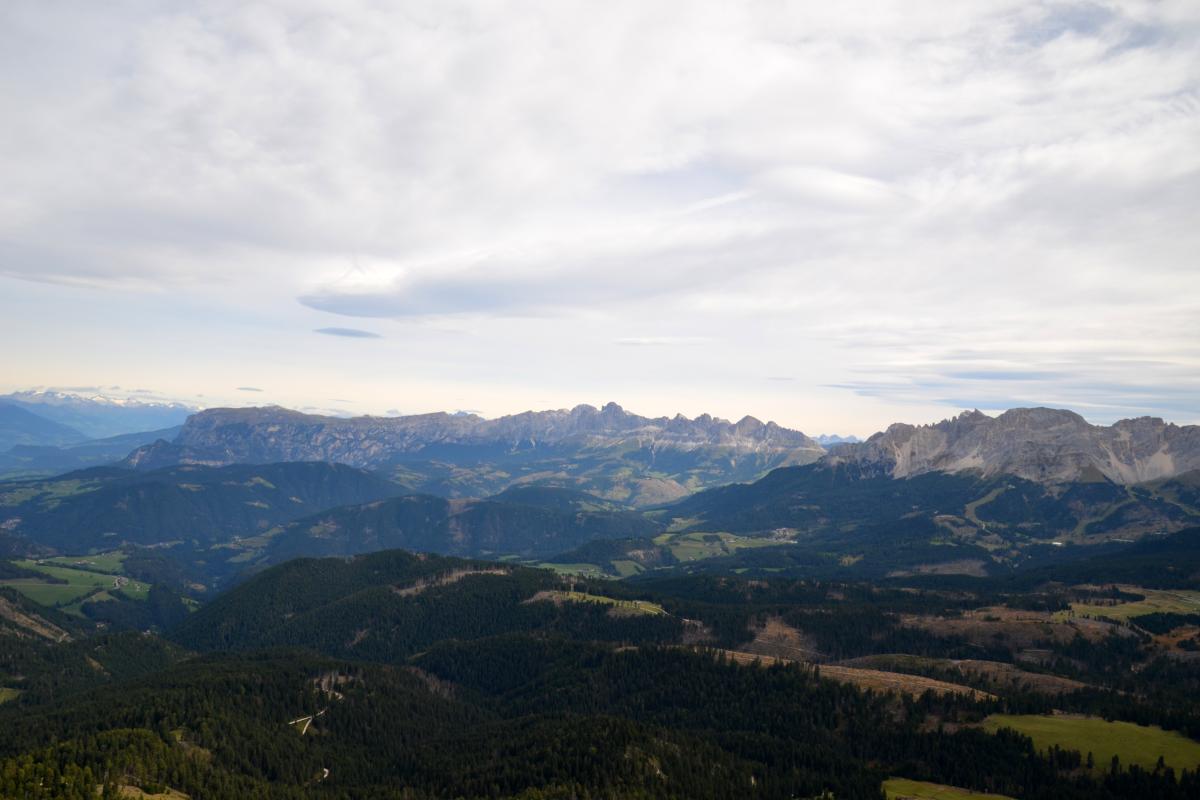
102, 507
29, 461
527, 428
97, 415
1039, 444
682, 455
605, 451
21, 427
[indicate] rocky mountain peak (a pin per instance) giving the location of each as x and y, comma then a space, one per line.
260, 435
1039, 418
1043, 444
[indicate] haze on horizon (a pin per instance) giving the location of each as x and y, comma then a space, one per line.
833, 218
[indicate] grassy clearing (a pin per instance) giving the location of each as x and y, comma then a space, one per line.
902, 683
1002, 674
136, 590
1082, 526
627, 568
112, 562
78, 583
697, 546
1133, 744
972, 507
48, 493
135, 793
81, 585
1177, 602
678, 524
586, 570
903, 788
46, 594
632, 607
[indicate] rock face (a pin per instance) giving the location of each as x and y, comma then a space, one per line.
639, 460
262, 435
1039, 444
606, 451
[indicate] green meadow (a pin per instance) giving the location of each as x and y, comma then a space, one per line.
1157, 601
1132, 744
904, 789
697, 546
585, 570
636, 607
78, 579
112, 563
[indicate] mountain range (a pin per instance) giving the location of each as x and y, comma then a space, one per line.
608, 451
19, 426
45, 460
671, 457
612, 492
45, 433
847, 625
1039, 444
96, 415
828, 440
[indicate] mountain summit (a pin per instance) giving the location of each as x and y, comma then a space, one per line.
607, 451
1040, 444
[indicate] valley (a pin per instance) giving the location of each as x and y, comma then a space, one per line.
819, 628
919, 673
567, 400
67, 583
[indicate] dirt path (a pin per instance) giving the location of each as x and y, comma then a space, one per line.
307, 720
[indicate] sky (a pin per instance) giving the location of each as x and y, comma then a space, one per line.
831, 215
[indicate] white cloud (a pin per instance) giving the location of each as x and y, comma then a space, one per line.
831, 192
348, 333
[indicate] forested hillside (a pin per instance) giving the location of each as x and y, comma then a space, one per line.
414, 676
107, 506
514, 523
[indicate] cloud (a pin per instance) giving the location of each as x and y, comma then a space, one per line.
662, 341
915, 202
1004, 375
248, 389
1099, 400
349, 333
